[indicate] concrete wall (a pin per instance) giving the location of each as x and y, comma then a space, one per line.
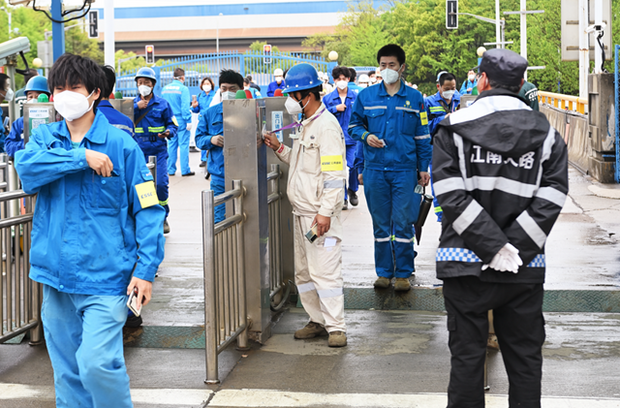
574, 129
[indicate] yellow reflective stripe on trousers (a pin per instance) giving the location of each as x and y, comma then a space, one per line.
438, 209
163, 202
139, 130
158, 129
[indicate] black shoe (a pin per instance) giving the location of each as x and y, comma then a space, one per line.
133, 321
166, 226
345, 206
191, 173
207, 176
353, 198
202, 164
194, 149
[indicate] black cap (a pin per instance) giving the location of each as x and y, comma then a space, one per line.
503, 66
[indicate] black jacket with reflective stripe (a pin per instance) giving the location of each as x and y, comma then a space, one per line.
500, 174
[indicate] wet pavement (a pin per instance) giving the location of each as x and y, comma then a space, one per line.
400, 355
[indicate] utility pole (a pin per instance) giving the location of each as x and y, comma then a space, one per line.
584, 48
498, 36
58, 39
523, 12
109, 47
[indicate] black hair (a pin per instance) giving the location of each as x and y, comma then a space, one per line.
337, 71
179, 72
512, 88
371, 73
72, 70
3, 81
228, 76
446, 76
352, 74
249, 78
30, 74
246, 81
392, 50
316, 91
110, 81
209, 80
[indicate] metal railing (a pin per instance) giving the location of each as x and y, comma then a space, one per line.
564, 102
152, 166
279, 290
20, 307
224, 277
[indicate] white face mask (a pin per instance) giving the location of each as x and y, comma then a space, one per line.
293, 107
145, 90
447, 95
390, 76
471, 78
9, 94
206, 88
278, 80
72, 105
373, 80
227, 96
342, 85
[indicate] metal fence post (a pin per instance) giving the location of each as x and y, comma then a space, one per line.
153, 169
210, 289
242, 339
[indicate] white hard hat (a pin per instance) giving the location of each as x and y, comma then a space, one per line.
414, 86
278, 72
364, 78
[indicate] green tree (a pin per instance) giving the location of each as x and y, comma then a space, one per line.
132, 64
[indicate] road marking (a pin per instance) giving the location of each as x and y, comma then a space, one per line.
272, 398
193, 397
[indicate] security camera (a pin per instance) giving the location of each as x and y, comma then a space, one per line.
596, 27
9, 50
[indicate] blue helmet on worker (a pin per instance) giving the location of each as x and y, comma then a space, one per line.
146, 72
37, 84
301, 77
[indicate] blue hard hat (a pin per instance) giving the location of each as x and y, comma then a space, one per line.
301, 77
146, 72
37, 84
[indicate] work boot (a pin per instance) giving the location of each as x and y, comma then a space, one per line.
345, 206
382, 282
402, 284
337, 339
202, 164
166, 226
133, 321
310, 331
353, 198
191, 173
193, 149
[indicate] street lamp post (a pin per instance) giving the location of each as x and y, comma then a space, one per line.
217, 41
8, 13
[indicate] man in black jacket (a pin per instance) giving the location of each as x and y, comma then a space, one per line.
501, 178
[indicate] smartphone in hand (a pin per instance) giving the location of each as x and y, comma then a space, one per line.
312, 234
133, 303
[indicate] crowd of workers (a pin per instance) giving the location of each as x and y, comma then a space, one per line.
499, 176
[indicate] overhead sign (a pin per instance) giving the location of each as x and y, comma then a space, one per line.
93, 24
570, 30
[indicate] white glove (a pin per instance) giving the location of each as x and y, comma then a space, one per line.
189, 127
506, 259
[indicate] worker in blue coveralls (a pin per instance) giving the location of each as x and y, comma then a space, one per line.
352, 76
201, 104
36, 86
438, 107
279, 82
96, 236
390, 120
154, 123
210, 135
116, 118
339, 103
469, 84
177, 95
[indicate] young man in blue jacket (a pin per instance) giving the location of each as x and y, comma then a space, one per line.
339, 103
210, 135
96, 236
390, 121
116, 118
177, 95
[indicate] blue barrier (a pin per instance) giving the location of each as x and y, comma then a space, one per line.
255, 63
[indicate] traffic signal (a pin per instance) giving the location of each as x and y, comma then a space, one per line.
267, 53
149, 50
452, 17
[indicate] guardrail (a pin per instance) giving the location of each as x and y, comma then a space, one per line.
279, 290
564, 102
20, 305
152, 166
224, 277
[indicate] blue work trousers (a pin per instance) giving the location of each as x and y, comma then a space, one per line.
390, 199
161, 152
179, 145
203, 155
84, 336
353, 183
218, 186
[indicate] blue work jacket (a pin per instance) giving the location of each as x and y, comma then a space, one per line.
116, 118
331, 101
467, 84
354, 87
255, 93
400, 121
89, 232
159, 119
204, 101
273, 86
178, 97
436, 110
209, 125
15, 139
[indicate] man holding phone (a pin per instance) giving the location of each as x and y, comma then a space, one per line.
317, 177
